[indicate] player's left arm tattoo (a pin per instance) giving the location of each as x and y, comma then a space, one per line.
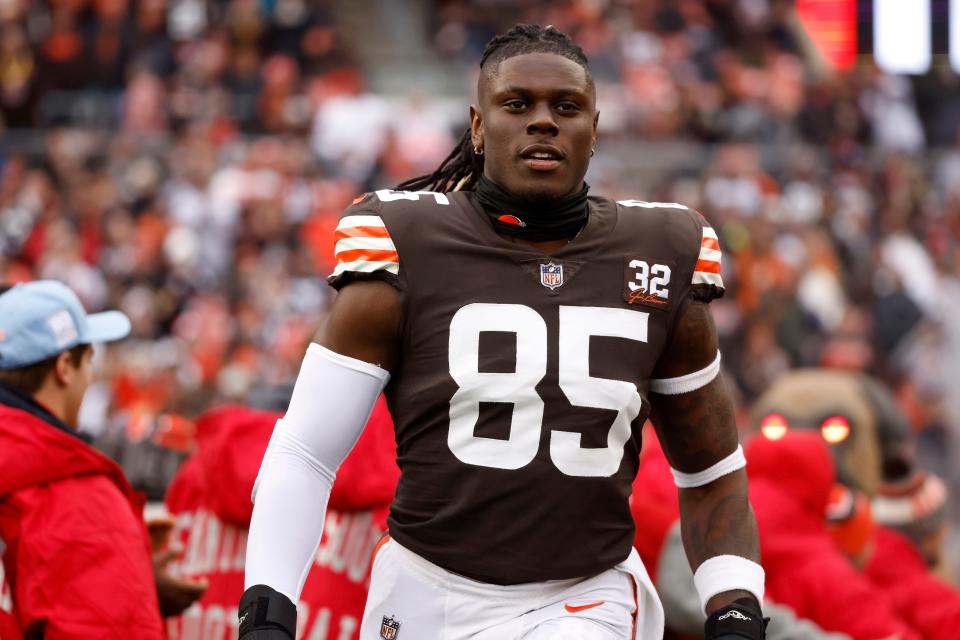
698, 429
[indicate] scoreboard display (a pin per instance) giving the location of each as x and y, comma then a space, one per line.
902, 36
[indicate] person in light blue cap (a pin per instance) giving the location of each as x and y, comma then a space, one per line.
72, 540
45, 338
75, 557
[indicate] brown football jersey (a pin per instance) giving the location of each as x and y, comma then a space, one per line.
523, 378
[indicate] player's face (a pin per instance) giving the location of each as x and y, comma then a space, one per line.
536, 122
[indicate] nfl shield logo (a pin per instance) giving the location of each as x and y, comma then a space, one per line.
389, 628
551, 275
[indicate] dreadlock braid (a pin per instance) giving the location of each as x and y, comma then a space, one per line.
462, 168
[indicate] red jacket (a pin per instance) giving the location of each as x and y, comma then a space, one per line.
653, 502
210, 497
76, 552
929, 605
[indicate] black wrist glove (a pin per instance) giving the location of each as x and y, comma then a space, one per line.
742, 619
266, 614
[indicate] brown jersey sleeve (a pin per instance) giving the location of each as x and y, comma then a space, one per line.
707, 283
684, 244
364, 249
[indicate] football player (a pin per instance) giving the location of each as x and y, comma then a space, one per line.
526, 331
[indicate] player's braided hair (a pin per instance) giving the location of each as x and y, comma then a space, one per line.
462, 168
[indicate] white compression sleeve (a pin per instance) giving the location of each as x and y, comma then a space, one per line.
331, 402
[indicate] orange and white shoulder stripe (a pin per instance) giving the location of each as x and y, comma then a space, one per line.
707, 270
364, 245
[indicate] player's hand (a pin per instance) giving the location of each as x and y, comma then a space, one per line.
266, 614
739, 620
174, 594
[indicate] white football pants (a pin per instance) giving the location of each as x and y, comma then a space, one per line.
411, 598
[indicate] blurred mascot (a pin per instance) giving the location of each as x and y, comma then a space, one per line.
872, 446
887, 514
813, 592
882, 512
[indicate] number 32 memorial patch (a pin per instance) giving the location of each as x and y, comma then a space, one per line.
646, 282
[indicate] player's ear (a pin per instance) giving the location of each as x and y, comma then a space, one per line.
476, 126
63, 369
596, 119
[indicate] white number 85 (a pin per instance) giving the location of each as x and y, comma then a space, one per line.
577, 324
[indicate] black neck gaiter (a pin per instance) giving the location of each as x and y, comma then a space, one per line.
512, 216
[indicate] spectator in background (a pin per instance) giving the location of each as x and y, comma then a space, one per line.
75, 549
53, 483
18, 71
350, 128
210, 499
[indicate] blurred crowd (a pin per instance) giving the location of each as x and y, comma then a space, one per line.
716, 70
185, 161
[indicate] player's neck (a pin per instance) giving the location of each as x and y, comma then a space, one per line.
539, 223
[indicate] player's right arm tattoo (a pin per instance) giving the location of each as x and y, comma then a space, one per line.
697, 429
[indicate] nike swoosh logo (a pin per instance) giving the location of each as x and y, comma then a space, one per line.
581, 607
